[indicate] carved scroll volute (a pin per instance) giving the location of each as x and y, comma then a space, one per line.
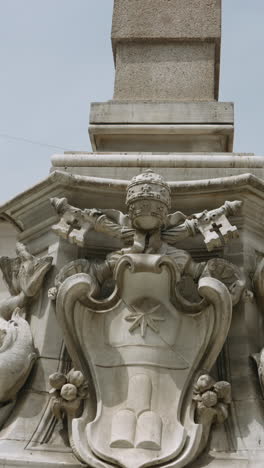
258, 285
138, 337
217, 294
258, 281
80, 288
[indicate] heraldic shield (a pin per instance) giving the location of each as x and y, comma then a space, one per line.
143, 349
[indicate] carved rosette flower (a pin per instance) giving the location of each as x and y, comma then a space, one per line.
67, 392
212, 400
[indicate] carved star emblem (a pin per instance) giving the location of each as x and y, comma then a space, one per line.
144, 319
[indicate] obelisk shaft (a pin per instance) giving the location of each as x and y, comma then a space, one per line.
167, 49
167, 55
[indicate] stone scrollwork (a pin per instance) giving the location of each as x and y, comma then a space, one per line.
94, 269
258, 284
144, 341
24, 276
259, 361
258, 279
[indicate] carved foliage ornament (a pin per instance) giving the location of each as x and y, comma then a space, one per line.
143, 346
212, 401
67, 392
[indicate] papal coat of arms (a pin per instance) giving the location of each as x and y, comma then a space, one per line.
144, 350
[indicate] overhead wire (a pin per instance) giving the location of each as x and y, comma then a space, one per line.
32, 142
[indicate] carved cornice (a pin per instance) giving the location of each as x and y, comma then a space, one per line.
62, 180
81, 189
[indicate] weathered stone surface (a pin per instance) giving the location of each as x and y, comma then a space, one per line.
162, 54
106, 193
162, 138
167, 49
176, 167
166, 71
161, 19
132, 417
7, 247
24, 276
149, 341
165, 127
127, 112
159, 126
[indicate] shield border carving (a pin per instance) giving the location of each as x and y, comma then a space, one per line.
81, 290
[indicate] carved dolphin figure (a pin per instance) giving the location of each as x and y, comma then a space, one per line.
17, 355
24, 276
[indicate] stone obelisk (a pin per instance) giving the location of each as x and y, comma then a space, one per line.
167, 57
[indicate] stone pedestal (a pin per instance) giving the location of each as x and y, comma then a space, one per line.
189, 127
30, 436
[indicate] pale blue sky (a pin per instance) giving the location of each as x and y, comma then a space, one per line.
55, 58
